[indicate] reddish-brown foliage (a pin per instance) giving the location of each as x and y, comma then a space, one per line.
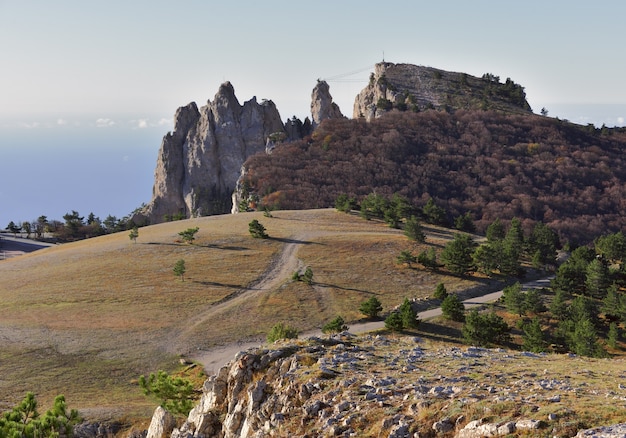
570, 177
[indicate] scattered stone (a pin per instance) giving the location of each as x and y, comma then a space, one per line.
443, 426
615, 431
527, 424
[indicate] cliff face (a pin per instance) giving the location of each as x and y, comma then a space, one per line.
408, 87
199, 162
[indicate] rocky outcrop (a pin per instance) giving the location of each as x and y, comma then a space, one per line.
161, 425
393, 387
199, 162
322, 105
407, 87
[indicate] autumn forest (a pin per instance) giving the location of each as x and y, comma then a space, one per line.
488, 164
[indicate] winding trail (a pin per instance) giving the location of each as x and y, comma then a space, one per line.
278, 272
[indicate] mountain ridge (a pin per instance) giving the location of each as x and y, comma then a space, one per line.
199, 163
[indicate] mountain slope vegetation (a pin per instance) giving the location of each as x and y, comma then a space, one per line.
489, 164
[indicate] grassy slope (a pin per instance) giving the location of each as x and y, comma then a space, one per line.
85, 319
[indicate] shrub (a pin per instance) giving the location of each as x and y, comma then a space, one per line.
440, 292
406, 257
533, 302
307, 277
345, 203
281, 331
371, 308
457, 254
134, 233
613, 335
175, 394
394, 322
179, 269
337, 325
189, 235
534, 338
413, 230
24, 420
514, 299
452, 308
408, 315
257, 230
428, 259
485, 329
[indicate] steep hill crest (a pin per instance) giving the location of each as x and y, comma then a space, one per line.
416, 88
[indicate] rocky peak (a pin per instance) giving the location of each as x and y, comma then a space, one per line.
199, 163
407, 87
322, 105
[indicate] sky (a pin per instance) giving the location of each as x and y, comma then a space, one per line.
88, 89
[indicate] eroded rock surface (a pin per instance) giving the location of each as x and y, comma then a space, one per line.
349, 385
199, 162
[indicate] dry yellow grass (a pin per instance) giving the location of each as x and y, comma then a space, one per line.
85, 319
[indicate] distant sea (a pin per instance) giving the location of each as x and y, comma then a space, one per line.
52, 169
106, 166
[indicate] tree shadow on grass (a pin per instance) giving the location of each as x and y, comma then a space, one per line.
216, 284
299, 242
441, 333
346, 288
210, 245
226, 247
441, 233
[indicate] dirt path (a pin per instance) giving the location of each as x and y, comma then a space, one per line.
280, 269
215, 358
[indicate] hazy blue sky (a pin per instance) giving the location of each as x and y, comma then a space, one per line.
90, 85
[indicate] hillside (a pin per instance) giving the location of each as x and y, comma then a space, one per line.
87, 318
490, 164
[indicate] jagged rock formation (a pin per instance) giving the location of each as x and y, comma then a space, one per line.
322, 105
408, 87
199, 162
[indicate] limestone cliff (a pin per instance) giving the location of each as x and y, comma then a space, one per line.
408, 87
322, 105
199, 162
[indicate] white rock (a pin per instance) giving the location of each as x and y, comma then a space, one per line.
162, 424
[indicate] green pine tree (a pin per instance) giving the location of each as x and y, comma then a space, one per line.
393, 322
371, 308
408, 315
413, 230
457, 254
452, 308
534, 338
